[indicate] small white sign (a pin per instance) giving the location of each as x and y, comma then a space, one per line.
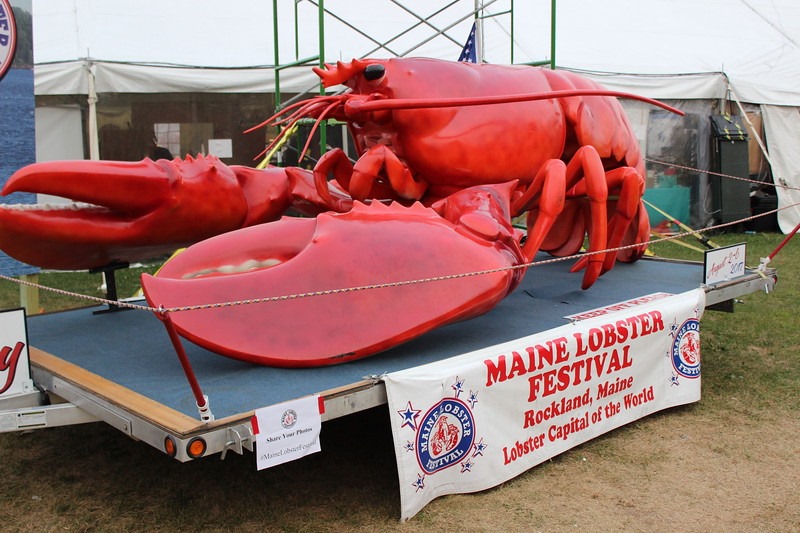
220, 147
15, 370
724, 264
287, 431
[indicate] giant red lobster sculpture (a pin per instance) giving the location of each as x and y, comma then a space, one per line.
450, 153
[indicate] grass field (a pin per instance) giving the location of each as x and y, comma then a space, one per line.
730, 462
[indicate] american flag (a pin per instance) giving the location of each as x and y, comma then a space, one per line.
468, 53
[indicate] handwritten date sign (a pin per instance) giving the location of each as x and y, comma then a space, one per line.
724, 264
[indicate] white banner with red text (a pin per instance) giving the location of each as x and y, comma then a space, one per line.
474, 421
15, 370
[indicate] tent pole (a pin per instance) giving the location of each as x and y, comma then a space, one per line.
276, 54
94, 144
323, 130
761, 144
552, 34
512, 32
479, 32
296, 32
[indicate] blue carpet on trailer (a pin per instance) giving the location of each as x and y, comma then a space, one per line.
132, 349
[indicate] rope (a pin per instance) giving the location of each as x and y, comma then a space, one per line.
670, 218
394, 284
748, 180
62, 292
160, 311
681, 243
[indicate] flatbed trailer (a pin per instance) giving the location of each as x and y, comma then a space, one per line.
120, 367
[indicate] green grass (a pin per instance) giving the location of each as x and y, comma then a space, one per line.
80, 283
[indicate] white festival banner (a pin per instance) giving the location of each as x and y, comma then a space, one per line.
476, 420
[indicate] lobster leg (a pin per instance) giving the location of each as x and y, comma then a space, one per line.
337, 163
638, 232
586, 165
368, 167
630, 185
584, 175
548, 189
628, 205
567, 234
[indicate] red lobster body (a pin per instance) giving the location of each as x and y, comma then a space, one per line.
427, 128
457, 147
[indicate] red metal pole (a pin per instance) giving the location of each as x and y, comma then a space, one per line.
785, 240
200, 398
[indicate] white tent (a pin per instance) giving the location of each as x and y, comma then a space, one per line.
746, 50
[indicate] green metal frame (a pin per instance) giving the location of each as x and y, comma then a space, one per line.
321, 57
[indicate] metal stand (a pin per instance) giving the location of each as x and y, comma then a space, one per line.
111, 286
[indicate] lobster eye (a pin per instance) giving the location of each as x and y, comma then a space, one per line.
374, 72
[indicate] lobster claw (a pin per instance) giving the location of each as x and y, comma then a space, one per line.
131, 211
355, 265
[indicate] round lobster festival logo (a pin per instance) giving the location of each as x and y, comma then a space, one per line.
445, 435
8, 37
288, 419
686, 349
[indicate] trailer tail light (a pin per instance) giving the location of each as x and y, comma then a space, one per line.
170, 447
196, 447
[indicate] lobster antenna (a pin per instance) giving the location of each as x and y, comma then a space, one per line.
275, 120
314, 129
423, 103
292, 120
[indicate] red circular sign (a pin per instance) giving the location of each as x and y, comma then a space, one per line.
8, 37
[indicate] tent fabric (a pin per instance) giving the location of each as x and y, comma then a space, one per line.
706, 86
756, 43
782, 125
71, 78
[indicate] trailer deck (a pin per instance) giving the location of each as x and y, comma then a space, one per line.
122, 369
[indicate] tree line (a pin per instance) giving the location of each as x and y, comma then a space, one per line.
24, 55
